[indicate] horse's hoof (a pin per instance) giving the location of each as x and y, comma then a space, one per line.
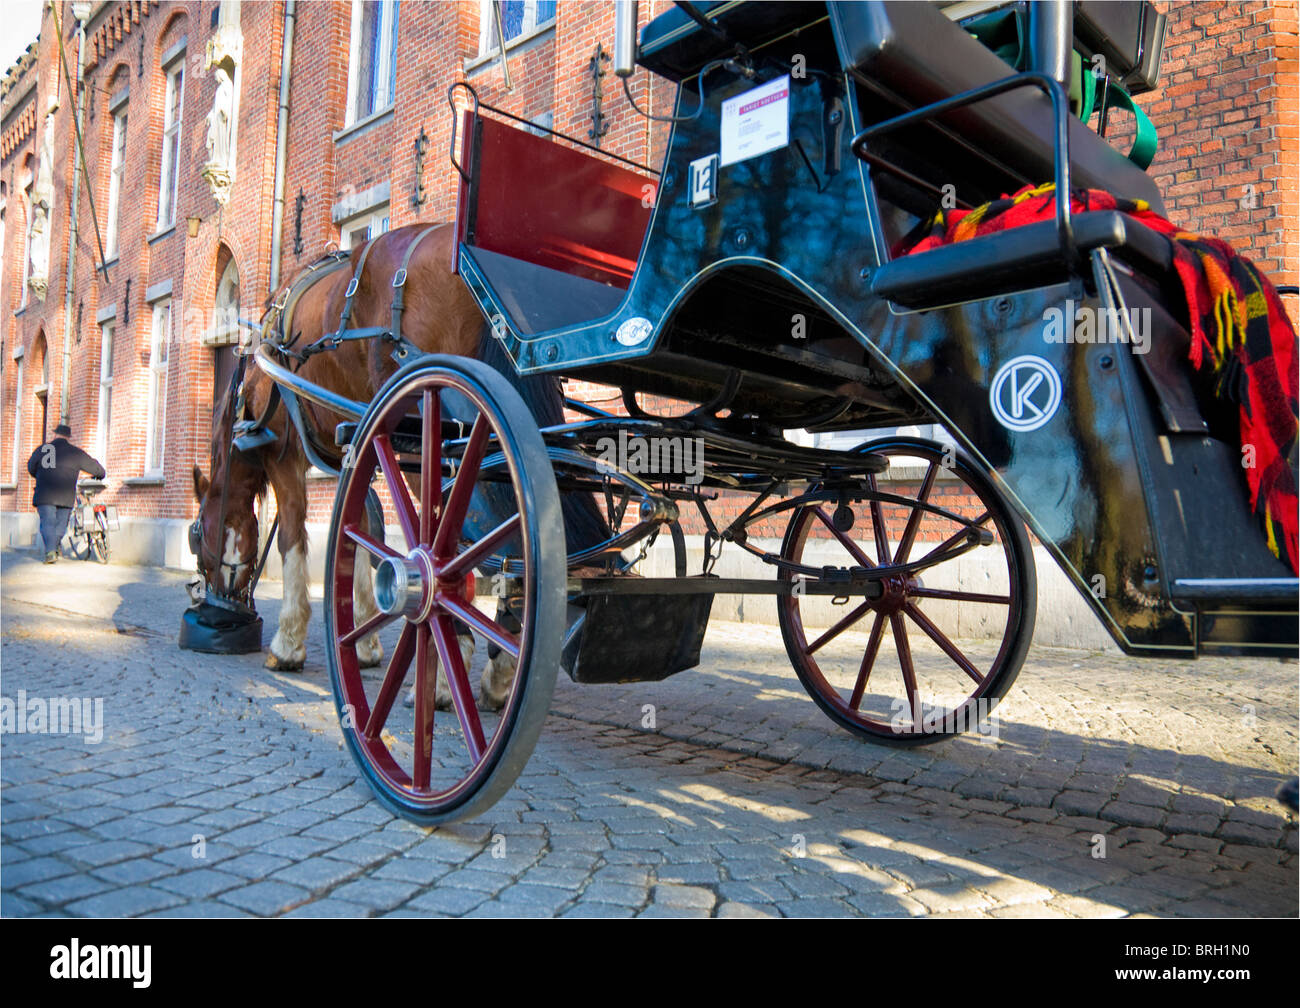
277, 664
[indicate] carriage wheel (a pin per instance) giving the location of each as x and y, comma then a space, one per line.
929, 658
501, 508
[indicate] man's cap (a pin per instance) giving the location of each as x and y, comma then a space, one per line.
63, 430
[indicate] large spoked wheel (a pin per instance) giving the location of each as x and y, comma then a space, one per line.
931, 656
483, 499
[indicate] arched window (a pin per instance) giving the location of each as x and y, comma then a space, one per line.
225, 307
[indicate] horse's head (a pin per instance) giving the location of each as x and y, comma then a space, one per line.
225, 545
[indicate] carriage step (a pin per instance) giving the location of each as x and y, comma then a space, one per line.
1271, 593
641, 637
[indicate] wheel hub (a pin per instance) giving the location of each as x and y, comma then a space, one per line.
408, 586
894, 592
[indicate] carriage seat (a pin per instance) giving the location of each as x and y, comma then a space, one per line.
911, 55
538, 299
1015, 260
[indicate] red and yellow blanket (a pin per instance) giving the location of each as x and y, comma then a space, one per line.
1240, 333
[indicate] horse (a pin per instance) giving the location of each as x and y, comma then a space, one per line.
439, 316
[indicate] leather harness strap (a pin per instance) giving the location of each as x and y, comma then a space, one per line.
281, 320
399, 283
353, 285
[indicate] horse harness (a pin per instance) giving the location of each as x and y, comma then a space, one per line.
278, 330
246, 435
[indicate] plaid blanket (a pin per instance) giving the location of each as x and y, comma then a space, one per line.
1241, 338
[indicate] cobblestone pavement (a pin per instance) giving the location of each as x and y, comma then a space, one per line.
222, 789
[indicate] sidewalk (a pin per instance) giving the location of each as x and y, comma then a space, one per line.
744, 799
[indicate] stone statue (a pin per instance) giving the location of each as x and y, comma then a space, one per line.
223, 108
42, 200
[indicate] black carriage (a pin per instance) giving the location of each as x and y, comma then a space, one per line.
755, 275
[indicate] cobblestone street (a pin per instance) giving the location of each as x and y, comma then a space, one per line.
1116, 787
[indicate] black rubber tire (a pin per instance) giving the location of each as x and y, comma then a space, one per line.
542, 535
1017, 637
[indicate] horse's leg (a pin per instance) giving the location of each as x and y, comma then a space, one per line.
499, 673
442, 699
289, 645
369, 650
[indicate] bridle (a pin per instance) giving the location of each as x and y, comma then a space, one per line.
242, 599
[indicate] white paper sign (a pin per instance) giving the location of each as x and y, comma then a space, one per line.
756, 122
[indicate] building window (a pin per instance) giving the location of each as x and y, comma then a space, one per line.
372, 69
159, 341
105, 391
115, 180
225, 308
173, 107
18, 420
361, 229
518, 18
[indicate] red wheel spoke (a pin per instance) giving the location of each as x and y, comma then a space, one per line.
845, 541
840, 627
947, 646
393, 679
398, 489
956, 536
952, 595
868, 660
430, 464
914, 521
453, 515
375, 622
909, 670
425, 688
462, 698
372, 546
473, 617
878, 521
471, 558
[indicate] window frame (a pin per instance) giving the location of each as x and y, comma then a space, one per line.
380, 215
487, 27
389, 18
116, 176
155, 440
17, 446
171, 143
103, 415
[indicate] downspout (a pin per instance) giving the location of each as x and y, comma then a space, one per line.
281, 144
80, 11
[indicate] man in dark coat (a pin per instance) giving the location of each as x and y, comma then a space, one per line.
56, 465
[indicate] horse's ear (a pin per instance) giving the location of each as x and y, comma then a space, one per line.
200, 484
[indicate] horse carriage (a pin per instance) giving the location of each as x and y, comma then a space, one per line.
758, 276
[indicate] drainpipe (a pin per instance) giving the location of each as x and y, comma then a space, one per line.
81, 11
281, 144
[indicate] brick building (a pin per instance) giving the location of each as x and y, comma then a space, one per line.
194, 231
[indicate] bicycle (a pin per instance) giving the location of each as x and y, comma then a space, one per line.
89, 525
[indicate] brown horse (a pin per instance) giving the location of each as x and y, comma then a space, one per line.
440, 317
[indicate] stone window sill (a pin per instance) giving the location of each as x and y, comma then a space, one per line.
144, 481
364, 125
522, 41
